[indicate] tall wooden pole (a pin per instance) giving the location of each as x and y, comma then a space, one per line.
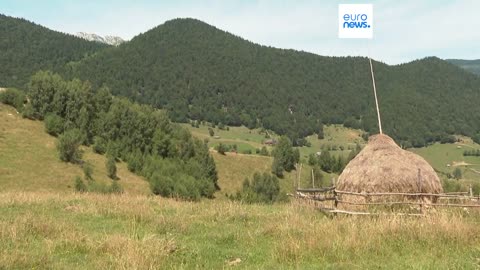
375, 94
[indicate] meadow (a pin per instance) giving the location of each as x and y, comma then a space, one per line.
92, 231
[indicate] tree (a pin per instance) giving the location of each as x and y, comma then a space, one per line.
312, 159
277, 168
135, 161
284, 156
457, 173
264, 151
325, 161
68, 146
99, 145
211, 132
111, 167
54, 124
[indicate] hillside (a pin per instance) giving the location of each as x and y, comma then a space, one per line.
470, 65
197, 71
27, 47
29, 160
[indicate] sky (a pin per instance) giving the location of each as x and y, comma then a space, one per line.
403, 30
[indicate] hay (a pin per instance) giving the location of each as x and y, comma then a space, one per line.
382, 166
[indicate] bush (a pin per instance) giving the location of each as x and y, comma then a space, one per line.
80, 185
457, 173
211, 132
451, 185
263, 188
54, 124
111, 167
87, 170
221, 148
68, 146
169, 178
13, 97
247, 152
28, 112
115, 188
135, 161
99, 145
264, 151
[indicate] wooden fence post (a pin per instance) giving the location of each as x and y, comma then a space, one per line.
313, 180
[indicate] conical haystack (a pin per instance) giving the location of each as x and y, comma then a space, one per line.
382, 166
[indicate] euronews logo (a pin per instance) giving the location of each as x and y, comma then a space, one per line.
355, 21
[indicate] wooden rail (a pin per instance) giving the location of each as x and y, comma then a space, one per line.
312, 195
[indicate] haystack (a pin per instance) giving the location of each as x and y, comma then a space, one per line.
382, 166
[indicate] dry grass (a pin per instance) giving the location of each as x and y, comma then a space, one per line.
85, 231
29, 160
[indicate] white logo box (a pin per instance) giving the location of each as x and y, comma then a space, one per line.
355, 21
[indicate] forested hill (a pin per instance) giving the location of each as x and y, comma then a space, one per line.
26, 47
470, 65
200, 72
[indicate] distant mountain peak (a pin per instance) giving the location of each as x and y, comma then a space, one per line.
111, 40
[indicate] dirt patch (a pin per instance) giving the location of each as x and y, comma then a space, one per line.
460, 163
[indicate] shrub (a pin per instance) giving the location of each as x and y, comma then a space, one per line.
87, 170
211, 132
135, 161
99, 145
13, 97
54, 124
451, 185
263, 188
169, 178
457, 173
28, 112
80, 185
111, 167
68, 146
115, 188
221, 148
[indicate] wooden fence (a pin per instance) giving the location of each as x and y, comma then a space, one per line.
331, 200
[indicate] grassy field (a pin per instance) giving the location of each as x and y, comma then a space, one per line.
29, 160
334, 135
444, 158
45, 225
92, 231
244, 138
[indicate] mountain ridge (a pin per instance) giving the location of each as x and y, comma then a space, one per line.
110, 40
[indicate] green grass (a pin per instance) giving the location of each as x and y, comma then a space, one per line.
93, 231
249, 138
442, 155
334, 135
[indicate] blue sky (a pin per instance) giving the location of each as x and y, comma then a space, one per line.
403, 30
